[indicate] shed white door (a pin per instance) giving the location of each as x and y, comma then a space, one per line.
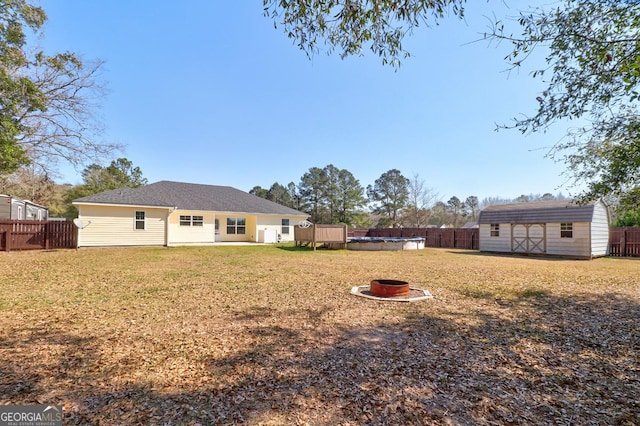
529, 238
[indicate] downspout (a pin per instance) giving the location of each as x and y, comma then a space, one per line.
168, 226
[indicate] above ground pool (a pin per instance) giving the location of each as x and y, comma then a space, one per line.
385, 243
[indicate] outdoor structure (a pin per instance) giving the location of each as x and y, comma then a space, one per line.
13, 208
555, 228
333, 236
176, 213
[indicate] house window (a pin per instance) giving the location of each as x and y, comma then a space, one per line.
186, 220
285, 226
139, 220
566, 230
236, 225
19, 212
495, 229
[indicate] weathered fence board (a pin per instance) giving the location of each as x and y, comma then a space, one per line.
37, 235
624, 242
463, 238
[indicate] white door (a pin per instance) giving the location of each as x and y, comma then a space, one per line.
217, 230
528, 238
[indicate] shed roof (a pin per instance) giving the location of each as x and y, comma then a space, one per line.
554, 211
190, 196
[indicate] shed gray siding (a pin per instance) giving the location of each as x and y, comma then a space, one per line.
590, 223
578, 246
501, 243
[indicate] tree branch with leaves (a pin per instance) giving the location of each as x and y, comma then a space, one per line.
351, 26
592, 75
46, 101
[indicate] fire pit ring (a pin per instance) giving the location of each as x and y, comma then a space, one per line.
389, 288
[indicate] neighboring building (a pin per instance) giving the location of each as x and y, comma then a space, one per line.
558, 228
175, 213
13, 208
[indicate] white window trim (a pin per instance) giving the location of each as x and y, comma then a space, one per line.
283, 226
236, 226
136, 220
191, 221
568, 227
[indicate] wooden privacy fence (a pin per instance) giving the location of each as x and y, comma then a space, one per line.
624, 242
462, 238
37, 235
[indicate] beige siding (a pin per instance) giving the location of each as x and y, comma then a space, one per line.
178, 234
274, 222
250, 228
115, 226
600, 230
578, 245
501, 243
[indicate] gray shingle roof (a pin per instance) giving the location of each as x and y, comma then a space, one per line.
554, 211
190, 196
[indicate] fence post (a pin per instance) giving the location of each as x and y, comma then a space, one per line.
8, 236
47, 237
623, 242
344, 236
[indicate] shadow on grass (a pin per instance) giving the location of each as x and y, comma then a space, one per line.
549, 360
295, 248
289, 247
514, 255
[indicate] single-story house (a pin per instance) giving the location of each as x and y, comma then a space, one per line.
13, 208
556, 228
176, 213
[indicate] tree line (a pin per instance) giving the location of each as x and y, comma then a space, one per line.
334, 196
329, 195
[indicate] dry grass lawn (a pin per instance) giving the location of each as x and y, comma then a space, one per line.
269, 335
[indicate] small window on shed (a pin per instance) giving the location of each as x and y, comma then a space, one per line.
185, 220
198, 220
495, 229
566, 230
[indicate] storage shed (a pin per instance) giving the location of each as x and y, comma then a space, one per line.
554, 228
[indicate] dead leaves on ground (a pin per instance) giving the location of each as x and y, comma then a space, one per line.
262, 335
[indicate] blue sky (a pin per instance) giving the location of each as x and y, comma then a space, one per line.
209, 92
